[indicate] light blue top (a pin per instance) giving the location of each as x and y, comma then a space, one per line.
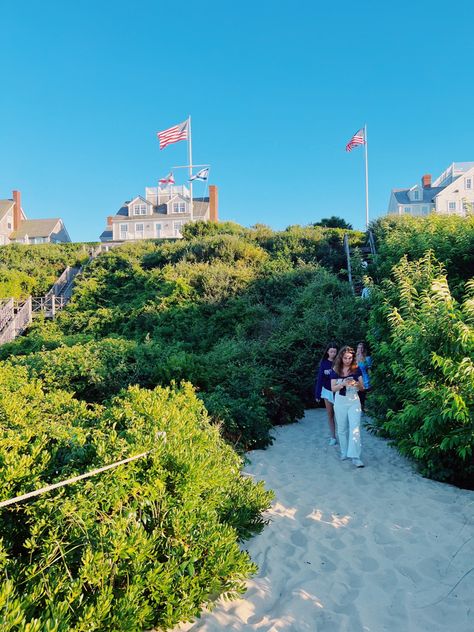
364, 366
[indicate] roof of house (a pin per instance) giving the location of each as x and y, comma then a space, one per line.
200, 208
5, 206
35, 228
107, 235
401, 195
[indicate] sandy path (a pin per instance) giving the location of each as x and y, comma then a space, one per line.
353, 550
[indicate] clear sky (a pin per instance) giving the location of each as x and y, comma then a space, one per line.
275, 90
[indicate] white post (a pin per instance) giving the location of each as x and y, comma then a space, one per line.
190, 160
366, 180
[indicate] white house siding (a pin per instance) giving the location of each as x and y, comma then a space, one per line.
143, 204
154, 227
6, 227
452, 200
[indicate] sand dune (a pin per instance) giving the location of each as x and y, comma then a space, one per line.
353, 550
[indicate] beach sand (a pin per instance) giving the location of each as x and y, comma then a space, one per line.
352, 550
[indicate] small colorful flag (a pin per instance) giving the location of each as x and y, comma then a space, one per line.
169, 179
357, 139
173, 134
201, 175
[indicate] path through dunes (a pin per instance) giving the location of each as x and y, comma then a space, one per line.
353, 550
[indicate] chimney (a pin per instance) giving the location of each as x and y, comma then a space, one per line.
213, 203
16, 210
426, 181
109, 220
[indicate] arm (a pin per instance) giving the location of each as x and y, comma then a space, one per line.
319, 383
335, 387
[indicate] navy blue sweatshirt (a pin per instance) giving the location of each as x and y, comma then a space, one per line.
323, 378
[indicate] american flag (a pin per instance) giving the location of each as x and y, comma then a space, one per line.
169, 179
173, 134
357, 139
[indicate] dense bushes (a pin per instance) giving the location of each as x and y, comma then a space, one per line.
33, 269
144, 544
244, 316
247, 333
423, 345
449, 237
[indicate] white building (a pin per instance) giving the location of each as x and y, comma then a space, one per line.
161, 214
452, 193
15, 227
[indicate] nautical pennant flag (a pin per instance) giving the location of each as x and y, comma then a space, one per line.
173, 134
201, 175
169, 179
357, 139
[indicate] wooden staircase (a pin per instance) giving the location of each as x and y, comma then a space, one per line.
365, 251
15, 316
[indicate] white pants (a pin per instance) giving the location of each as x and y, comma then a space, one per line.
347, 411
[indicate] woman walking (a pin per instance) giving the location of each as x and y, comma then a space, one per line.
323, 387
346, 383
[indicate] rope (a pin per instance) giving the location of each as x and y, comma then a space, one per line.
74, 479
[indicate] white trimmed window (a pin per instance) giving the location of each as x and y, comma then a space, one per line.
468, 183
416, 195
177, 228
424, 210
158, 229
179, 207
407, 209
451, 206
139, 209
123, 231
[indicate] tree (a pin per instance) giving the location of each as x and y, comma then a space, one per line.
334, 222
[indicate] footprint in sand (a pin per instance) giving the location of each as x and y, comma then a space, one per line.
298, 538
336, 543
382, 535
409, 572
392, 552
366, 564
342, 594
327, 565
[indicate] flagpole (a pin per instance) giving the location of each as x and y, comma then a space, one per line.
190, 155
366, 180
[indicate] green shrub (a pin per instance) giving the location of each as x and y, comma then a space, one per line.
143, 545
449, 237
34, 269
423, 343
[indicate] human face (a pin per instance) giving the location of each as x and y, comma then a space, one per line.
347, 358
332, 353
360, 348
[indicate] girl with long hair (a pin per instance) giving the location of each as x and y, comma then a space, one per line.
346, 383
323, 387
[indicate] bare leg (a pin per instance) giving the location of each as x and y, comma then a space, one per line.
331, 424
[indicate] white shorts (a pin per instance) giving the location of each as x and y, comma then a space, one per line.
329, 395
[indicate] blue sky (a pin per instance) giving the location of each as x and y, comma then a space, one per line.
275, 90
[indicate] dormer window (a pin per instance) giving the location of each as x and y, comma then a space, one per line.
179, 207
416, 194
139, 209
